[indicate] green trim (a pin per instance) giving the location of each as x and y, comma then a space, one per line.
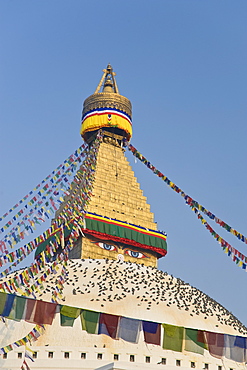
125, 233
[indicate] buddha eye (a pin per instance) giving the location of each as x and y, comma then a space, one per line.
107, 247
134, 254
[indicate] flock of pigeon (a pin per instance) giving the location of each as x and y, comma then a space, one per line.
104, 282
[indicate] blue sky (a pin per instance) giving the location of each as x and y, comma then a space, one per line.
183, 64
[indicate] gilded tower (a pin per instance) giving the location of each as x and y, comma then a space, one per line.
117, 199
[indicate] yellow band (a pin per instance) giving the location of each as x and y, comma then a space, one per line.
97, 122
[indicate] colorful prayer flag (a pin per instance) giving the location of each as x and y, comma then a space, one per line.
70, 311
151, 332
235, 348
108, 325
191, 342
66, 321
90, 321
215, 342
45, 312
173, 337
129, 329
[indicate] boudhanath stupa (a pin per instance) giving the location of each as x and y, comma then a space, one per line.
94, 298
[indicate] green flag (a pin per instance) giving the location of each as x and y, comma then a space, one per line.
18, 308
3, 298
173, 337
68, 315
89, 321
191, 342
66, 321
70, 311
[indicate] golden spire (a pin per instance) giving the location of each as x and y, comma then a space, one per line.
106, 109
110, 84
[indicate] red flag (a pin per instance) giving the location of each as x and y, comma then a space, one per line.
215, 343
29, 313
44, 313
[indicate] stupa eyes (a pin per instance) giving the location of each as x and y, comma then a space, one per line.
129, 252
107, 247
134, 254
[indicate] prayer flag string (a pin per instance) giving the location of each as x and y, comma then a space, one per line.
32, 336
237, 257
81, 187
186, 197
43, 203
69, 216
175, 338
66, 161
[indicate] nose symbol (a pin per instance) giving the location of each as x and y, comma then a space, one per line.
120, 257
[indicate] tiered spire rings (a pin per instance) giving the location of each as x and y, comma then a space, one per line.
107, 109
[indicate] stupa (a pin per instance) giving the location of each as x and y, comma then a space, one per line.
132, 315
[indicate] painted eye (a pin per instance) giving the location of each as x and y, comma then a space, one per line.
107, 247
135, 254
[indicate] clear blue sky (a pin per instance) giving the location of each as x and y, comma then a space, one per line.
183, 64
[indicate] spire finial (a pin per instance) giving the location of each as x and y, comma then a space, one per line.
110, 84
106, 109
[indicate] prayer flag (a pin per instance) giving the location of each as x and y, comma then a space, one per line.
3, 298
241, 342
70, 311
8, 348
30, 310
68, 315
66, 321
235, 348
129, 329
27, 367
201, 338
173, 337
215, 342
18, 308
191, 342
45, 312
151, 332
90, 321
27, 355
108, 325
8, 305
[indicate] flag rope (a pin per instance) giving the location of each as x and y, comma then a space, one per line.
237, 257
